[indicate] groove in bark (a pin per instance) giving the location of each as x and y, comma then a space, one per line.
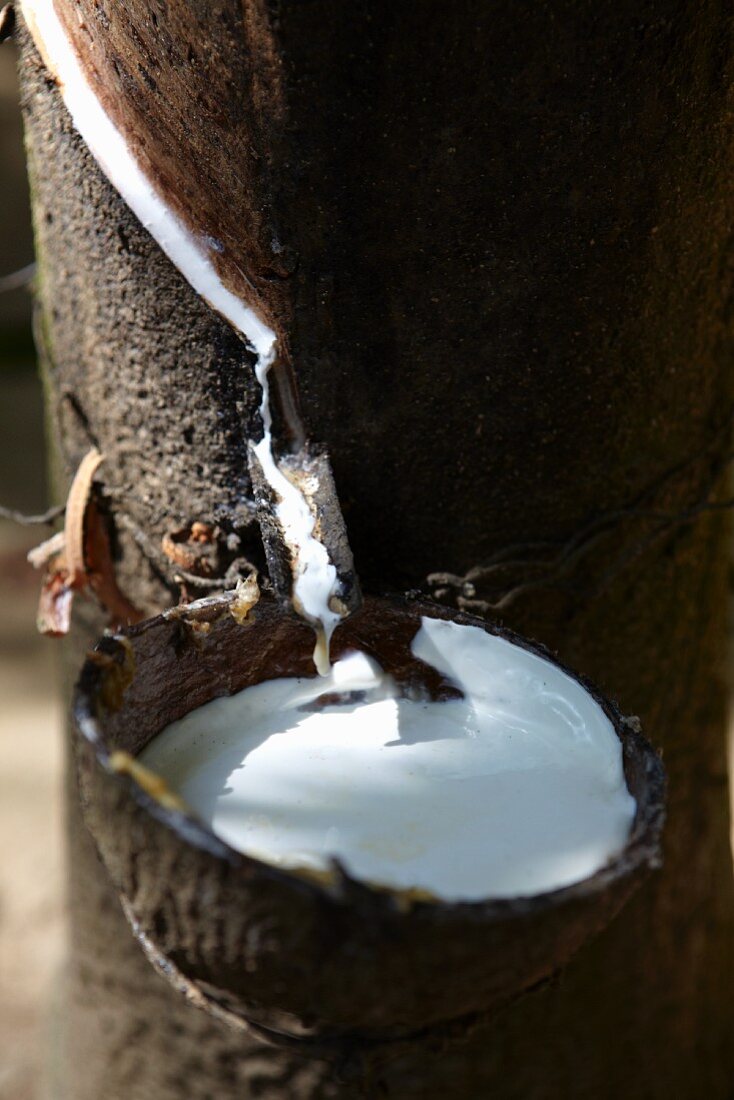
511, 314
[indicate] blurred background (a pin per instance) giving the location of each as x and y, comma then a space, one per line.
31, 908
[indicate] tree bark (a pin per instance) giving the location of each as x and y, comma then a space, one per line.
505, 292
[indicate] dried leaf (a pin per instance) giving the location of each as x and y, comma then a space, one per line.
202, 532
54, 606
100, 569
76, 510
194, 548
42, 554
79, 558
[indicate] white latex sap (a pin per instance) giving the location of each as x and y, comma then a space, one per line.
314, 576
515, 789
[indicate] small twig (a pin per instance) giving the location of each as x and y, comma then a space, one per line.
553, 572
20, 278
173, 574
44, 519
505, 558
666, 522
181, 575
240, 569
40, 556
151, 551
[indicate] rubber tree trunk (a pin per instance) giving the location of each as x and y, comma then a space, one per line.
505, 283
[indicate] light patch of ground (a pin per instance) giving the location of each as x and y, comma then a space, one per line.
31, 922
31, 855
31, 875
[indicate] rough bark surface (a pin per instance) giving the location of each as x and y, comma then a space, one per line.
509, 314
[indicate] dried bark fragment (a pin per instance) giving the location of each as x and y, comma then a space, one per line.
53, 617
100, 569
74, 522
79, 559
194, 548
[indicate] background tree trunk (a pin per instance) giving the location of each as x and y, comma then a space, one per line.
506, 295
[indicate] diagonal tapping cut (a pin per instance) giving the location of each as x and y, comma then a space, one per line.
299, 512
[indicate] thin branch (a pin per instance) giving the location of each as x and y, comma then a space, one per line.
681, 519
555, 571
173, 574
504, 559
18, 279
44, 519
666, 523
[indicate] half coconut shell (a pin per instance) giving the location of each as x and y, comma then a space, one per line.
304, 954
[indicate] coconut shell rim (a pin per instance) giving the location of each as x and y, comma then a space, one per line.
642, 852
